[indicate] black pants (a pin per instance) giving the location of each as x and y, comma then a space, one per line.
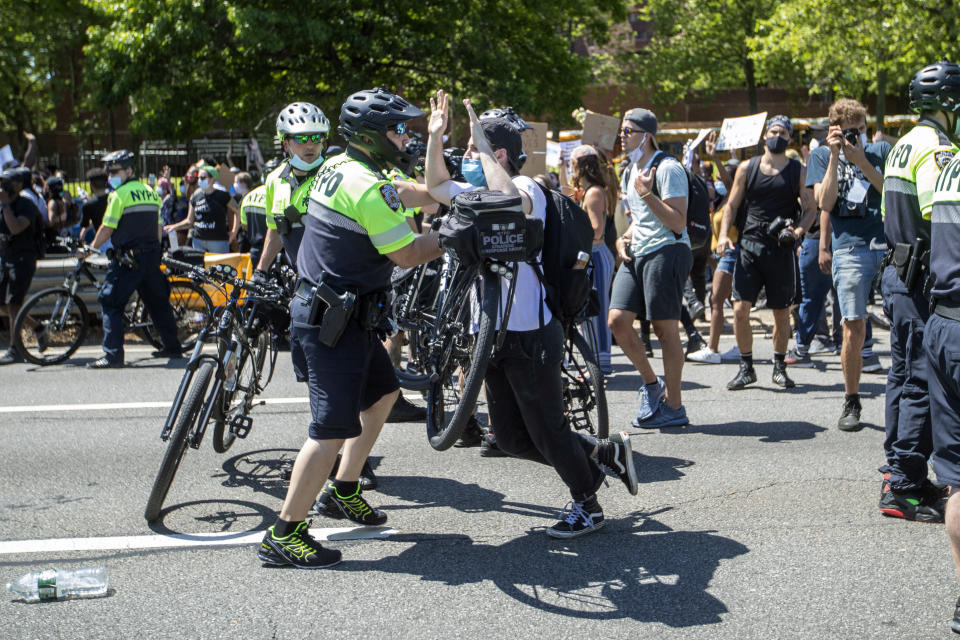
525, 399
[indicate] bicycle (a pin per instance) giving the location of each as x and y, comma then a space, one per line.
220, 387
53, 323
584, 396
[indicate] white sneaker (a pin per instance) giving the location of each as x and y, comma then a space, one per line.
731, 355
706, 356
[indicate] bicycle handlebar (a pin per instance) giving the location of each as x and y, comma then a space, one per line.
266, 292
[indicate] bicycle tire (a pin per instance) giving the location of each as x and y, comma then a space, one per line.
410, 376
584, 397
64, 327
445, 425
248, 386
177, 443
192, 310
416, 325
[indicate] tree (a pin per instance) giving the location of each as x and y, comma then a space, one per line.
699, 45
835, 47
186, 65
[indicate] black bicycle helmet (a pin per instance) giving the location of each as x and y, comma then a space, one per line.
365, 118
121, 159
936, 87
507, 113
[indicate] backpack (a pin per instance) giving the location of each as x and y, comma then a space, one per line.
566, 233
698, 206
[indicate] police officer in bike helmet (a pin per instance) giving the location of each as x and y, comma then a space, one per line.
355, 231
132, 223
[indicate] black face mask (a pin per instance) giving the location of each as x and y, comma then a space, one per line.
776, 144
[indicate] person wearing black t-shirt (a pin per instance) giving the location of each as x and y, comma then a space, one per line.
21, 229
91, 214
213, 214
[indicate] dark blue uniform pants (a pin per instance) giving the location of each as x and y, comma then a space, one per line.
154, 290
941, 342
908, 443
525, 399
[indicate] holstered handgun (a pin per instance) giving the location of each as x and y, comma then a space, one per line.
331, 311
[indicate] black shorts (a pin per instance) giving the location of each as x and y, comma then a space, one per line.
760, 266
343, 380
651, 286
15, 279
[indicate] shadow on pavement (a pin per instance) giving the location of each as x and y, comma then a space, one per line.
264, 471
237, 516
784, 431
635, 568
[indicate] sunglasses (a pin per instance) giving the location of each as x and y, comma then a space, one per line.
400, 128
627, 131
304, 138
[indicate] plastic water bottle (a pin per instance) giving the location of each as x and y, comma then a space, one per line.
54, 584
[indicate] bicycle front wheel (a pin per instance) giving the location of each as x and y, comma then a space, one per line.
50, 326
584, 398
452, 398
177, 444
192, 310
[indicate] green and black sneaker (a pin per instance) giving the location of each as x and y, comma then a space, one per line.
332, 505
298, 549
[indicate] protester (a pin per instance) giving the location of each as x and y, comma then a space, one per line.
213, 214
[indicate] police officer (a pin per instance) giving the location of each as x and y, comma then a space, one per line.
21, 237
940, 340
253, 217
132, 223
303, 131
354, 234
908, 185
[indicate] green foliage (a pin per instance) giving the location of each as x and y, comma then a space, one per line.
840, 47
187, 65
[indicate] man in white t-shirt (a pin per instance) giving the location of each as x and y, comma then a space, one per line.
522, 383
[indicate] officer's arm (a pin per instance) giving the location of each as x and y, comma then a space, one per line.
413, 194
424, 248
103, 234
272, 244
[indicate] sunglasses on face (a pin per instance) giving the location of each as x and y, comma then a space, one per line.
304, 138
400, 128
627, 131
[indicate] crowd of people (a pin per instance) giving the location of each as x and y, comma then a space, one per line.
851, 220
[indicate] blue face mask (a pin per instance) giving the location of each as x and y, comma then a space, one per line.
720, 188
472, 172
115, 181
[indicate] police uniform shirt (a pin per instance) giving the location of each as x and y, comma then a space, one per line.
133, 212
909, 179
253, 215
945, 234
354, 217
284, 188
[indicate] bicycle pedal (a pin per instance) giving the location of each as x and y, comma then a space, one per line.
240, 426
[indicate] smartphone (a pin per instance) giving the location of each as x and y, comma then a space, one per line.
152, 179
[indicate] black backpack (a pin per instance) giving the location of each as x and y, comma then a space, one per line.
699, 228
566, 234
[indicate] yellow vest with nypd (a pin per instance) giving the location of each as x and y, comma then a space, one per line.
133, 212
354, 217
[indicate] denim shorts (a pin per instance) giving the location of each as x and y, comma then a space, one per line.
854, 269
212, 246
728, 261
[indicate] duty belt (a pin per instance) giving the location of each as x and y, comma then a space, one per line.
947, 309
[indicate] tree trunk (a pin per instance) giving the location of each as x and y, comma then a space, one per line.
748, 73
881, 98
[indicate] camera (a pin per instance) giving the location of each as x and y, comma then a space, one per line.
779, 228
852, 135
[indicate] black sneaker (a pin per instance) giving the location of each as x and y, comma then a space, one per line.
955, 623
405, 411
299, 549
616, 454
574, 522
166, 353
694, 344
353, 508
780, 377
746, 375
925, 504
489, 448
850, 418
472, 434
368, 479
104, 363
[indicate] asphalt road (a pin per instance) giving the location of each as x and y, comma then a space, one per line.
759, 520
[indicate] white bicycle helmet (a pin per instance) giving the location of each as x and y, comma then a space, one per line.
301, 117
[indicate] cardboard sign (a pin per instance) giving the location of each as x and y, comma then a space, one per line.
553, 154
737, 133
535, 146
6, 157
567, 146
601, 131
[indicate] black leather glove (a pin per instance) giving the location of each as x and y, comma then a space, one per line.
260, 277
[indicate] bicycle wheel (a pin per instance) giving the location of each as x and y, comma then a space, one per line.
239, 400
192, 310
450, 404
50, 326
177, 444
412, 309
584, 398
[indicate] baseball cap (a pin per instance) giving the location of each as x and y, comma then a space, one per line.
643, 118
502, 134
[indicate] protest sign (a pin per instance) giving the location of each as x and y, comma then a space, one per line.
601, 131
535, 146
737, 133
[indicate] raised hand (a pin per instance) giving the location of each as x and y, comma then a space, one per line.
439, 114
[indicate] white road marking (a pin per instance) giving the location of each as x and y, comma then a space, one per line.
178, 540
